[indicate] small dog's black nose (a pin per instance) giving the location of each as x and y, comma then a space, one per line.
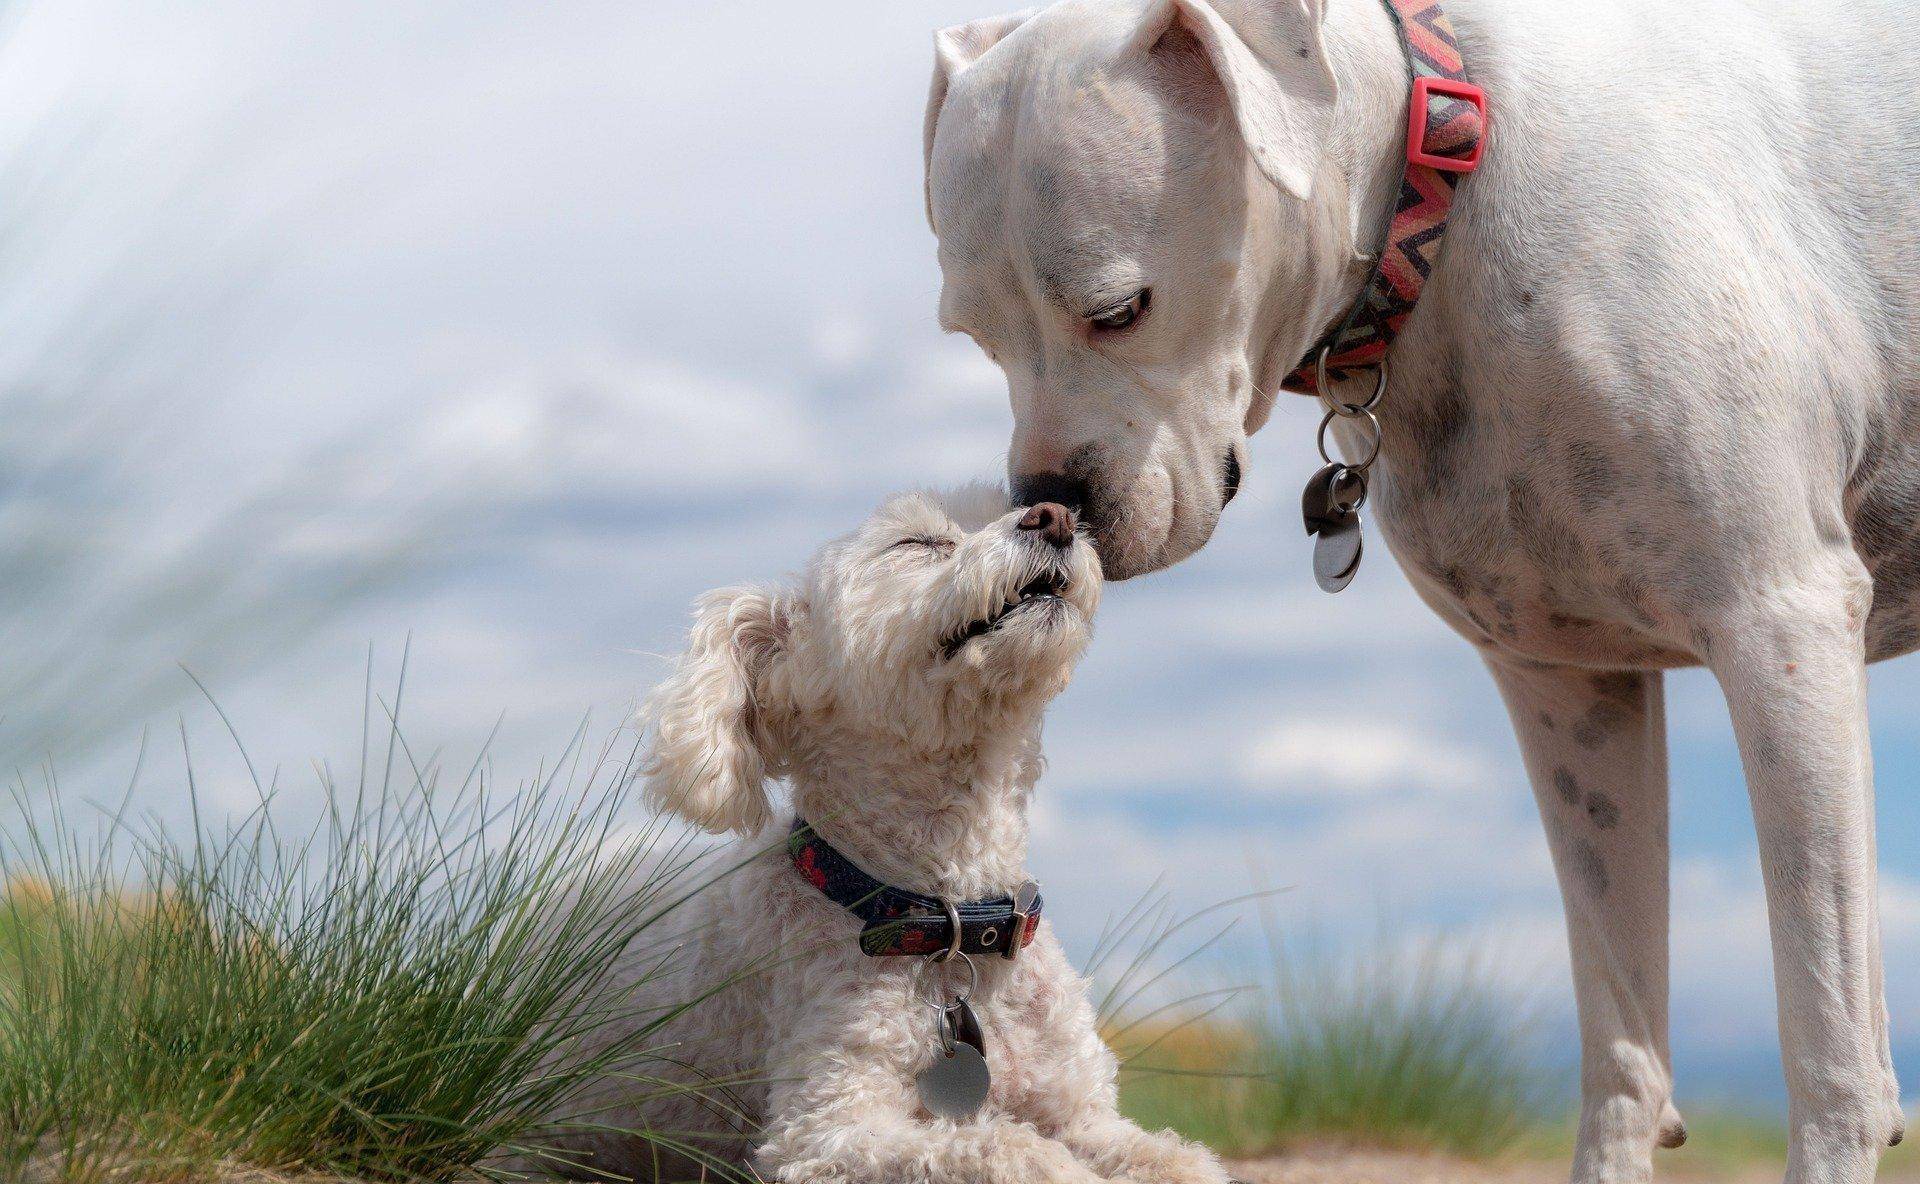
1054, 522
1030, 489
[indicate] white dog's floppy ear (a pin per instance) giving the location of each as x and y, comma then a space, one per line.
1276, 78
954, 49
714, 742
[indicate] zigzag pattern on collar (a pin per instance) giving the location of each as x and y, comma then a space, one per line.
1453, 132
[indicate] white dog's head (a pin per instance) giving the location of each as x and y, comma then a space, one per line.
1138, 223
939, 622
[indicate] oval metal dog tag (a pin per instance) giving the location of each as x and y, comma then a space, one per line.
955, 1085
1336, 554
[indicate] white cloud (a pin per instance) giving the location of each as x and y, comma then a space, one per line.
1337, 756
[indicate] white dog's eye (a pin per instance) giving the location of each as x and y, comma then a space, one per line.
1110, 320
938, 546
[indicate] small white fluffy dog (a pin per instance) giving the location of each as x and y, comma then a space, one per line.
899, 689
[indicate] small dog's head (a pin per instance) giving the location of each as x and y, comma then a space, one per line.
941, 621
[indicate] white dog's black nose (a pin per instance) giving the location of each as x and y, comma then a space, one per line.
1052, 521
1030, 489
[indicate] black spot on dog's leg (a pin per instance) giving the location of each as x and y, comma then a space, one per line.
1590, 866
1546, 721
1588, 735
1603, 811
1603, 720
1624, 689
1566, 785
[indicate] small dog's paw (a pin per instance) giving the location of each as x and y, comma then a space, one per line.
1164, 1158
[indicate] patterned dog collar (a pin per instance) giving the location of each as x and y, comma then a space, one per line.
1446, 130
900, 923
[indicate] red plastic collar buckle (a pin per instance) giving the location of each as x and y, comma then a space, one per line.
1423, 87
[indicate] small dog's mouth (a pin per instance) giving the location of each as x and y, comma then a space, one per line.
1043, 589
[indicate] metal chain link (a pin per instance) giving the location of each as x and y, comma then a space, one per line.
1359, 414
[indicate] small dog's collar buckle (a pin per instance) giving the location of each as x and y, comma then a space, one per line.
1016, 938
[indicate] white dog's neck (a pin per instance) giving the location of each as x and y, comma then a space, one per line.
948, 823
1368, 148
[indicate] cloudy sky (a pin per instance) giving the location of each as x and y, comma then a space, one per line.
510, 329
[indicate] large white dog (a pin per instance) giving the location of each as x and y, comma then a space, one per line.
1659, 407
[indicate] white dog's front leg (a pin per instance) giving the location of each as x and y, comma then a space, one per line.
867, 1141
847, 1116
1792, 664
1070, 1077
1119, 1148
1596, 752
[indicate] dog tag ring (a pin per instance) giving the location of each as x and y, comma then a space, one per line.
1330, 505
1331, 496
955, 1085
964, 1026
1330, 510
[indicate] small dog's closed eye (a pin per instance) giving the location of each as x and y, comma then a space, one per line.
888, 931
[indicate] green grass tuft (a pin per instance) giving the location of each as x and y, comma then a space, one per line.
1387, 1049
374, 1000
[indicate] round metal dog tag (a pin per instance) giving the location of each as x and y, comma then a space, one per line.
955, 1085
1336, 554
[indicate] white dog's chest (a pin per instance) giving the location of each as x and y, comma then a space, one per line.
1531, 539
1506, 599
1577, 538
1525, 557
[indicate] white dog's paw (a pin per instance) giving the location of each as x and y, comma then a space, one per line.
1673, 1128
1163, 1158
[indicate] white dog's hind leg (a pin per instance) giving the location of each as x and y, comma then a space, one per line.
1791, 661
1596, 752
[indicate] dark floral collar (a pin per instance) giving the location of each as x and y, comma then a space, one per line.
900, 923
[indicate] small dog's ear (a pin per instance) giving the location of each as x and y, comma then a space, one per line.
1276, 79
713, 732
954, 49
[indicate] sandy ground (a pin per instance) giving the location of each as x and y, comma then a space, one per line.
1345, 1166
1341, 1166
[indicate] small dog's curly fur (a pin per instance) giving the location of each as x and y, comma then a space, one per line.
899, 689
